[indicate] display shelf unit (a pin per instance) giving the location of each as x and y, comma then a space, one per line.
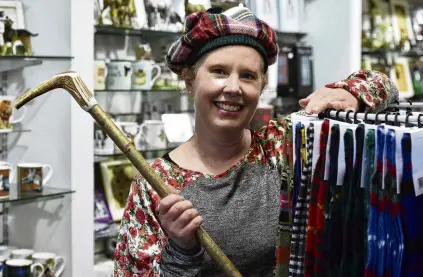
147, 34
9, 63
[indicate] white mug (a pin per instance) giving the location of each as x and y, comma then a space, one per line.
130, 129
22, 253
142, 74
7, 113
51, 261
32, 177
152, 134
119, 75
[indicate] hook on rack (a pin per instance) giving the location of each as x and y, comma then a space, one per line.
355, 118
337, 115
365, 116
377, 119
386, 118
407, 122
347, 117
409, 109
396, 122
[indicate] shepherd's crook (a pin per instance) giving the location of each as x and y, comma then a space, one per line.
71, 82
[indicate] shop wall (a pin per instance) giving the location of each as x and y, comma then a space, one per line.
333, 28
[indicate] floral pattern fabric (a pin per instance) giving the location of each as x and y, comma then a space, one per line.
141, 238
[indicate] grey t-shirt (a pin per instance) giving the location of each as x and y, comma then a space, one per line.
240, 212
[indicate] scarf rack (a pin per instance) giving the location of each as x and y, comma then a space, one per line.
390, 118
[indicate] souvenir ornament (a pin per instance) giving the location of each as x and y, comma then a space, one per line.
72, 83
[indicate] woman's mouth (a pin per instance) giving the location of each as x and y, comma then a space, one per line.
228, 107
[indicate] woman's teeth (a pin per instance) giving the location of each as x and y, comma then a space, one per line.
229, 108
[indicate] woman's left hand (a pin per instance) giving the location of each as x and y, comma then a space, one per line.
325, 98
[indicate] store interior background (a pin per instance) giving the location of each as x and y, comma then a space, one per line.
61, 133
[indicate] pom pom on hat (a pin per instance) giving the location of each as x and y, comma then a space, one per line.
208, 30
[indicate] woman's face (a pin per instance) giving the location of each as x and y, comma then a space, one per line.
227, 87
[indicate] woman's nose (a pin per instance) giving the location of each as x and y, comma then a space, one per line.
232, 85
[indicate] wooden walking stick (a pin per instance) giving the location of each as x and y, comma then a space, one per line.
71, 82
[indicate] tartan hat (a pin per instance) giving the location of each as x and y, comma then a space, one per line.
208, 30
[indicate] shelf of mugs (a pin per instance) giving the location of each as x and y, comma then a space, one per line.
414, 53
145, 152
146, 33
9, 63
47, 192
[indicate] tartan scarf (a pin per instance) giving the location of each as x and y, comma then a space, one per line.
371, 263
411, 207
284, 231
333, 222
347, 195
315, 212
297, 167
299, 225
380, 205
358, 220
396, 236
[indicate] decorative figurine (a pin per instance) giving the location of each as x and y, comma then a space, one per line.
12, 36
120, 13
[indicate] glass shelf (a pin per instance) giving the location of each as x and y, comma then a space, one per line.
9, 63
416, 53
48, 192
15, 131
147, 33
289, 37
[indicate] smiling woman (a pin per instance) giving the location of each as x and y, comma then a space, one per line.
232, 176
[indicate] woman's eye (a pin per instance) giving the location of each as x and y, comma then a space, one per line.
218, 71
248, 76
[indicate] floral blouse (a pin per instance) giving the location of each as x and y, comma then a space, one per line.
141, 239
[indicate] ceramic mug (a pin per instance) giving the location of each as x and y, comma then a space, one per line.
119, 75
31, 176
22, 268
152, 134
130, 129
6, 178
143, 76
100, 74
22, 253
50, 261
7, 113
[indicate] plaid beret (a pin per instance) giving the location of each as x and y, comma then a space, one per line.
207, 30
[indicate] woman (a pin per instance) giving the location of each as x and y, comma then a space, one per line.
231, 175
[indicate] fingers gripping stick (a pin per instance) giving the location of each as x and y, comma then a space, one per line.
72, 83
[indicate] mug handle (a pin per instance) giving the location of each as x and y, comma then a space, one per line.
33, 266
61, 268
14, 121
12, 172
159, 72
49, 174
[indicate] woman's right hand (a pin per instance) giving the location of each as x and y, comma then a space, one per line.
179, 220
